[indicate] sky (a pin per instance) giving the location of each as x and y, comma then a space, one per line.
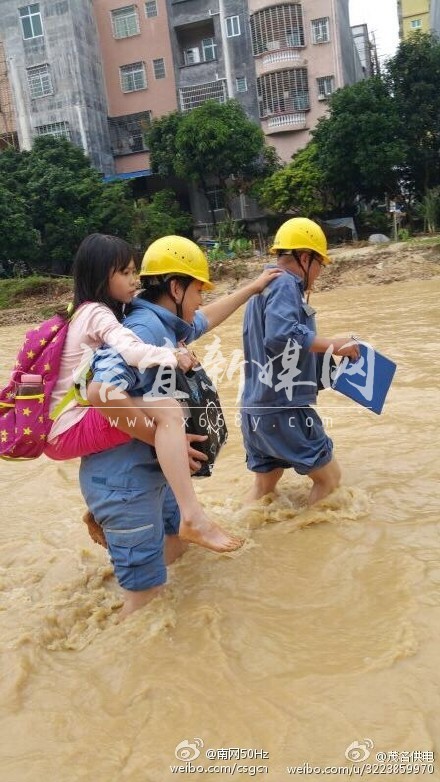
381, 18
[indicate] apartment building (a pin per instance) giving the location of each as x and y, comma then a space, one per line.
302, 53
366, 50
414, 16
55, 74
138, 69
98, 71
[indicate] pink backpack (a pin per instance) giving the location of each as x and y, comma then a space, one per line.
25, 421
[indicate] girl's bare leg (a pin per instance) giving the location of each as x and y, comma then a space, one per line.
169, 439
170, 445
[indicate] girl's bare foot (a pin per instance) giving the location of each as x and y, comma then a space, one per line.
203, 532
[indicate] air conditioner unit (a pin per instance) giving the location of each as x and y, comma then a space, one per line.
192, 56
322, 97
273, 46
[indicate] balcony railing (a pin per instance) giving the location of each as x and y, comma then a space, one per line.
296, 121
283, 56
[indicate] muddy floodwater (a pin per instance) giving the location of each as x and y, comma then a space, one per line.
318, 644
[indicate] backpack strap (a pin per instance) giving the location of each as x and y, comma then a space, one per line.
72, 395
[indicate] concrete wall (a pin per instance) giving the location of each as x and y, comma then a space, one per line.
7, 113
435, 16
69, 46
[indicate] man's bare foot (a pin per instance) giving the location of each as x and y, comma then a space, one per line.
207, 533
95, 530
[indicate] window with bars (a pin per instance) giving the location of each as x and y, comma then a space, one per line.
283, 92
127, 132
216, 198
416, 24
326, 85
277, 27
159, 68
232, 26
136, 140
125, 22
133, 77
241, 84
320, 30
30, 18
57, 129
40, 81
190, 97
150, 9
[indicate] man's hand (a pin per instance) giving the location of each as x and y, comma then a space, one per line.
186, 359
195, 458
265, 278
346, 346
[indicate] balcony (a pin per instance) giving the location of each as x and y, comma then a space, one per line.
284, 57
280, 123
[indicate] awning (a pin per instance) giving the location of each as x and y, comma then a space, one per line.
128, 175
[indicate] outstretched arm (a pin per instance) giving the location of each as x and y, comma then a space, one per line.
221, 309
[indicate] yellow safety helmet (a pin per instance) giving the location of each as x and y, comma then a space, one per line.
300, 233
176, 255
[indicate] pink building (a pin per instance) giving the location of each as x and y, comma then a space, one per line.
138, 70
303, 52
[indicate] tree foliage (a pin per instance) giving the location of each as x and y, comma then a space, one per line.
161, 141
159, 217
359, 149
214, 143
298, 187
413, 78
62, 199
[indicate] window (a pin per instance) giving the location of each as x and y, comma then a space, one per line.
277, 27
326, 85
232, 26
57, 129
216, 198
159, 68
241, 84
136, 140
416, 24
209, 47
133, 77
293, 38
127, 133
320, 30
190, 97
283, 92
30, 18
40, 81
125, 22
150, 9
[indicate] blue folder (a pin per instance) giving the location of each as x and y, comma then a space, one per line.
366, 380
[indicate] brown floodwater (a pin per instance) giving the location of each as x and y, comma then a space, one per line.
322, 632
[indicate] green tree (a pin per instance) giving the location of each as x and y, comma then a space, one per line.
161, 141
65, 199
359, 148
413, 78
214, 143
18, 239
159, 217
297, 187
